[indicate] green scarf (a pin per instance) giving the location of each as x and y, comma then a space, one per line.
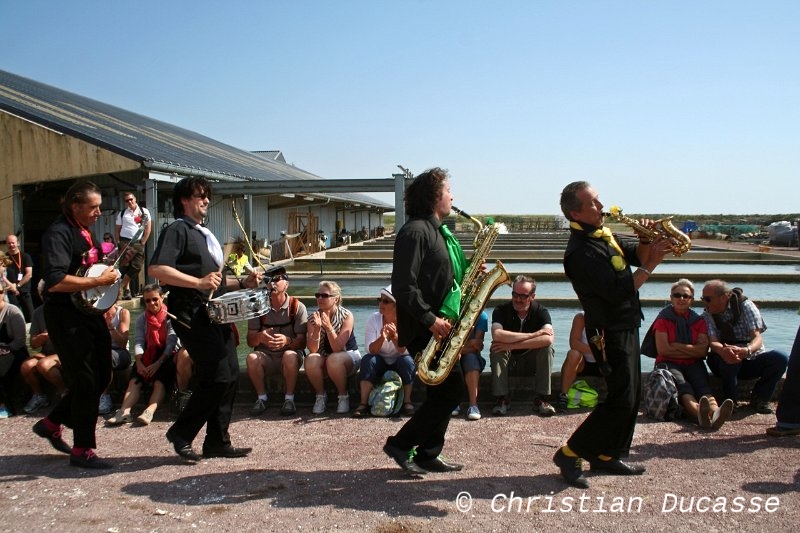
452, 302
617, 261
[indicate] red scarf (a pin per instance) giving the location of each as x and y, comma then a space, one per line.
155, 336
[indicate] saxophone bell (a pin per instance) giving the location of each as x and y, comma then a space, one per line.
679, 242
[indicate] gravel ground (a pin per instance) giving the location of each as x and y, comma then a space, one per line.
329, 473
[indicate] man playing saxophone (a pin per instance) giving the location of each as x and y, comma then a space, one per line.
598, 265
425, 276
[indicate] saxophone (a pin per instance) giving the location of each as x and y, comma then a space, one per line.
436, 361
679, 242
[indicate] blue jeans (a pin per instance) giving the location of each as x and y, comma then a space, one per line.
768, 367
373, 367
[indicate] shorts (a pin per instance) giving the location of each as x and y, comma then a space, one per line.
120, 358
472, 361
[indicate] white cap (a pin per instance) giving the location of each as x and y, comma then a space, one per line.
387, 291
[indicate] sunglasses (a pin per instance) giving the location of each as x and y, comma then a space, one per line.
129, 199
151, 300
681, 296
279, 277
201, 196
706, 299
520, 295
386, 301
324, 295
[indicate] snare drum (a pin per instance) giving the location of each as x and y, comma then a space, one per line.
238, 305
97, 300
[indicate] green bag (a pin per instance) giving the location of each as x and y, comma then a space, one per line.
580, 394
386, 397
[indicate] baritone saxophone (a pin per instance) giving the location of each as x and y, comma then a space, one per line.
436, 361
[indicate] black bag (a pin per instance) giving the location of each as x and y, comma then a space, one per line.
649, 343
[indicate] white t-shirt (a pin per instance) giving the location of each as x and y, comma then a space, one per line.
127, 219
374, 330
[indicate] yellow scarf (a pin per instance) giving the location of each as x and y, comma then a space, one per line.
617, 261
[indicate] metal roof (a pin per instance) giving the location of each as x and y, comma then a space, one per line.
155, 144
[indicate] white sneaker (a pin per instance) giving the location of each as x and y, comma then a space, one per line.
319, 405
344, 405
106, 405
456, 411
36, 402
473, 413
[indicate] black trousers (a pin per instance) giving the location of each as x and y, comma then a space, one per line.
427, 427
212, 347
24, 301
83, 345
608, 430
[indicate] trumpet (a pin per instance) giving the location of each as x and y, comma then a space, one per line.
679, 242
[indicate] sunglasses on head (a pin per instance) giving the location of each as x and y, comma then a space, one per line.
386, 301
323, 295
681, 296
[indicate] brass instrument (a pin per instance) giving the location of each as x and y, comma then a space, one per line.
679, 242
436, 361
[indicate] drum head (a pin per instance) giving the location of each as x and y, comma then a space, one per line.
99, 299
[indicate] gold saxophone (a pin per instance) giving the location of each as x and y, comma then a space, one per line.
679, 242
436, 361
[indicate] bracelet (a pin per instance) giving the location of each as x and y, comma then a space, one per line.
643, 269
241, 283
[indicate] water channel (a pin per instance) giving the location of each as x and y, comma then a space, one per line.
782, 319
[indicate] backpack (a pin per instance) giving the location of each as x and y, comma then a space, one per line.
661, 396
386, 397
581, 394
649, 343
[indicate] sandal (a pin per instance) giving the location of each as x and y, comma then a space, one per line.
408, 408
361, 411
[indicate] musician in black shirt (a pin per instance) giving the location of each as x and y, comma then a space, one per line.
597, 263
422, 277
189, 261
81, 339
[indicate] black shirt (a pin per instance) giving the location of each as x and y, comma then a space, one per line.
607, 296
15, 274
537, 318
183, 247
63, 247
422, 275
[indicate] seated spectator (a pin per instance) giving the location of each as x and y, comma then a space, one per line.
238, 261
472, 364
13, 350
522, 333
380, 338
788, 412
735, 329
153, 348
43, 365
109, 249
580, 360
279, 339
118, 320
333, 347
682, 343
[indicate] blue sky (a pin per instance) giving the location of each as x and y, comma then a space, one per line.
666, 107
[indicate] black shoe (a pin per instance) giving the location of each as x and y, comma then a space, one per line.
54, 437
401, 458
615, 467
88, 459
762, 407
183, 449
571, 469
438, 464
227, 451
